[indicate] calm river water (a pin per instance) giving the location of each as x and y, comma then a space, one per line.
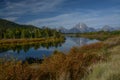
40, 50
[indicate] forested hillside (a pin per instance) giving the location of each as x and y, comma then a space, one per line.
11, 30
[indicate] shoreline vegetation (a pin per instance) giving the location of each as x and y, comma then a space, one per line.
30, 41
100, 35
26, 44
88, 62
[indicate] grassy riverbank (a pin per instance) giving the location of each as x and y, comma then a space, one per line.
30, 41
91, 62
101, 35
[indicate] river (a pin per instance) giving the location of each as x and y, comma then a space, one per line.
41, 50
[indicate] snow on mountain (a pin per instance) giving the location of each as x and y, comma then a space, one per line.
107, 28
81, 28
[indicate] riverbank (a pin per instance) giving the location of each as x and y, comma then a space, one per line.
74, 65
101, 35
30, 41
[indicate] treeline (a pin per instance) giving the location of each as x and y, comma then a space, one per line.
116, 32
101, 35
17, 33
11, 30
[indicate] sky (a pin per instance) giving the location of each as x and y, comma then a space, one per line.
66, 13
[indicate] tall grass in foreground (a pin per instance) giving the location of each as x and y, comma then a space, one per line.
109, 70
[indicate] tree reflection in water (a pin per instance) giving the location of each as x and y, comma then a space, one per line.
18, 47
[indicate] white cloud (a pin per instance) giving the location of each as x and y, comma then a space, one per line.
92, 18
29, 6
11, 18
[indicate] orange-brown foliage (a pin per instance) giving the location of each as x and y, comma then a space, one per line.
58, 66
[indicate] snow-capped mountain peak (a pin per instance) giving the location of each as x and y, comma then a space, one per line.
81, 26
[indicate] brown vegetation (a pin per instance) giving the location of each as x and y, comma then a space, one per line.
29, 41
71, 66
56, 67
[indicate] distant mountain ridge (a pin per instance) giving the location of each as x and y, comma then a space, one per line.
82, 28
107, 28
78, 28
62, 30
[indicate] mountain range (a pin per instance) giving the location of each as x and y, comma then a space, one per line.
78, 28
82, 28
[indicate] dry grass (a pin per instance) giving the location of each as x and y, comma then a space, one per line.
107, 70
29, 41
73, 66
113, 41
14, 71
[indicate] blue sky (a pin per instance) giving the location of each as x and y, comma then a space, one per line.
66, 13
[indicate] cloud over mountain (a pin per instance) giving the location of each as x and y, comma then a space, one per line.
55, 13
